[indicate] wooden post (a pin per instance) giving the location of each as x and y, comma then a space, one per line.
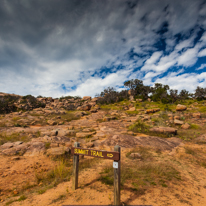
75, 168
117, 172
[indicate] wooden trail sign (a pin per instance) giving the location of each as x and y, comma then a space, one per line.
96, 153
76, 151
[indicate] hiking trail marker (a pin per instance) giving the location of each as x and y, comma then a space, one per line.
112, 155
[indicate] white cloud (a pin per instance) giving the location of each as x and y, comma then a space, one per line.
188, 81
201, 67
188, 58
154, 58
185, 44
202, 53
94, 85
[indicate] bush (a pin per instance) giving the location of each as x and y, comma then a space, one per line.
109, 96
7, 104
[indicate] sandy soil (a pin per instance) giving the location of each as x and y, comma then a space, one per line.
191, 190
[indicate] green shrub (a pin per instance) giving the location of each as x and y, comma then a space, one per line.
139, 127
194, 126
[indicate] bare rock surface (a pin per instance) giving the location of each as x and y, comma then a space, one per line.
128, 141
168, 130
35, 149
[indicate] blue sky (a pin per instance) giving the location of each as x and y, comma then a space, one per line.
58, 48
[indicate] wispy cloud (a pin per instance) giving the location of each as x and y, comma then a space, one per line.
201, 67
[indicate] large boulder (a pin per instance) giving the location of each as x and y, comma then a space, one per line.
180, 107
87, 98
167, 130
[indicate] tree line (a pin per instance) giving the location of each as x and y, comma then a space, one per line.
158, 92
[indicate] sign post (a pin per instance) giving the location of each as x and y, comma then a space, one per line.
75, 168
112, 155
117, 169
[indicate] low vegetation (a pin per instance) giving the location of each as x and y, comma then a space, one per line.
13, 137
143, 173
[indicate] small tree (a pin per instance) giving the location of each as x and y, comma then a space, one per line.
184, 94
173, 95
159, 93
200, 93
138, 89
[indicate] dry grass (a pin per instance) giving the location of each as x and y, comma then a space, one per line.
21, 198
192, 133
13, 137
107, 107
61, 172
140, 175
195, 155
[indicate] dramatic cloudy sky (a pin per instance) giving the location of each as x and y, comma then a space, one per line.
79, 47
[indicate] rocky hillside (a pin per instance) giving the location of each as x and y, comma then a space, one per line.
12, 103
161, 145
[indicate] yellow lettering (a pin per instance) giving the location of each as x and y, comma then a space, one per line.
80, 151
99, 154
